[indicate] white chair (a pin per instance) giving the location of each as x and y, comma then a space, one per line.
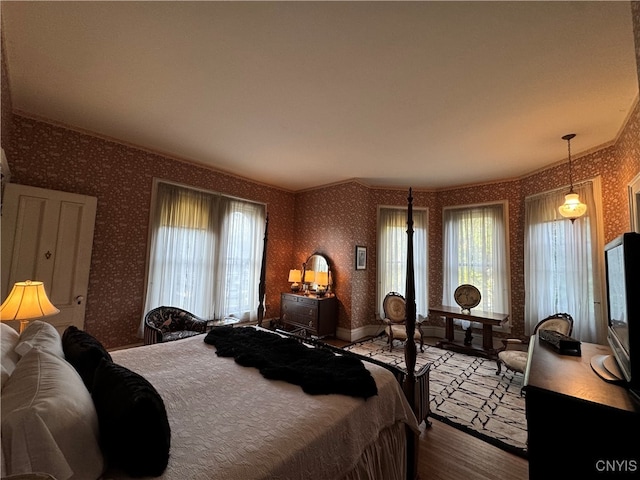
514, 353
395, 316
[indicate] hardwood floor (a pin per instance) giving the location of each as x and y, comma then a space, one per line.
447, 453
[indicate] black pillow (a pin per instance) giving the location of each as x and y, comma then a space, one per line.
84, 352
134, 430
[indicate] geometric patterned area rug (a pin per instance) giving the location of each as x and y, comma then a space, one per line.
465, 392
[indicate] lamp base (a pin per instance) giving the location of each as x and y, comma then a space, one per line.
23, 324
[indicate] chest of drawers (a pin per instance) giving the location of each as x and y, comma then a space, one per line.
316, 316
566, 403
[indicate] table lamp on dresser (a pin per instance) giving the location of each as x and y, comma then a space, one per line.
309, 278
322, 279
295, 276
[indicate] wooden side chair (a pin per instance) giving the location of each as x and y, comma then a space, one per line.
395, 315
514, 353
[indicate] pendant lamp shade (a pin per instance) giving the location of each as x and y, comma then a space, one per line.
572, 207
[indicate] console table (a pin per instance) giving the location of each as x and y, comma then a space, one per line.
570, 408
488, 321
313, 315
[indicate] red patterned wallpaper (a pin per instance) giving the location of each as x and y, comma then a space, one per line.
331, 220
352, 208
48, 156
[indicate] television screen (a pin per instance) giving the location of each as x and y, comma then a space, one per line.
622, 260
617, 295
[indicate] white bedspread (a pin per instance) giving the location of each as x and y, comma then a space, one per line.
230, 423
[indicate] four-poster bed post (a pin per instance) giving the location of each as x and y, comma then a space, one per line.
410, 353
263, 271
410, 299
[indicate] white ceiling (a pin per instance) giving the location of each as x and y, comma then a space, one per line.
302, 94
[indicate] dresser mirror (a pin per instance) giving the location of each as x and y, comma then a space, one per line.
317, 272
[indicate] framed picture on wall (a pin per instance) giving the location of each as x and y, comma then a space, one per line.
361, 257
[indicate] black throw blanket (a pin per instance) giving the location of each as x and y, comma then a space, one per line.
316, 370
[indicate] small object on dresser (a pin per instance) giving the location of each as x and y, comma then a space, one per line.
563, 344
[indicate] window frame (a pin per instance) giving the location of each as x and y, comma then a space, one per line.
507, 327
153, 210
594, 329
379, 293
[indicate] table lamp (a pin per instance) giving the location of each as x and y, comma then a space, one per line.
309, 278
322, 279
27, 301
295, 276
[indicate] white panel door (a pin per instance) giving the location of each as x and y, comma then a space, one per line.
47, 235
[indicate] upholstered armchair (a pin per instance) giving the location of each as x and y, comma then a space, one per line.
395, 315
514, 353
164, 324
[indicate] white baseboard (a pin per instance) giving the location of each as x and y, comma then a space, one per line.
359, 333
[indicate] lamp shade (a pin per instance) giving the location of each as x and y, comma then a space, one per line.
322, 278
295, 276
572, 208
309, 276
27, 300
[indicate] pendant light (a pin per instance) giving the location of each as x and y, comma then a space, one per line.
572, 208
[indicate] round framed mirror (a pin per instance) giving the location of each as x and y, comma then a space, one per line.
317, 273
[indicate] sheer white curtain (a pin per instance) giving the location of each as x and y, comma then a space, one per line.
475, 252
205, 253
562, 262
183, 244
240, 259
392, 255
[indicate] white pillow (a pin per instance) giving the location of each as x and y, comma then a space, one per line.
9, 338
40, 334
49, 422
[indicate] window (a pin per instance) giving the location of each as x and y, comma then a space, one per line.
392, 255
205, 253
562, 263
242, 242
475, 252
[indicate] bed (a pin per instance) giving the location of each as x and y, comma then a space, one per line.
229, 422
226, 421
